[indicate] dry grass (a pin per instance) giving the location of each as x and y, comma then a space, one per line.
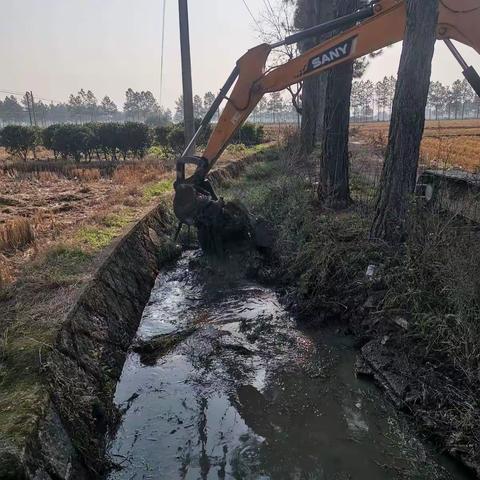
87, 174
5, 274
446, 144
446, 152
139, 173
279, 132
16, 234
41, 153
45, 176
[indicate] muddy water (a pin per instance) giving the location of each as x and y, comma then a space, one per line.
250, 396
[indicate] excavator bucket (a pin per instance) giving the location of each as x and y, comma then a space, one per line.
218, 222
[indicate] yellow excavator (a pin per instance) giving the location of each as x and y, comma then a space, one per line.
377, 25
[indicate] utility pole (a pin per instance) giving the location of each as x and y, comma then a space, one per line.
188, 119
27, 99
33, 109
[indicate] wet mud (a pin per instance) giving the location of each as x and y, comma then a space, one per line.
222, 383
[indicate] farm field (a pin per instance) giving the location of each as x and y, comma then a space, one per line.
52, 201
446, 144
46, 202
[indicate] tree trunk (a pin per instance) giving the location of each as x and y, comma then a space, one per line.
408, 121
333, 188
314, 89
313, 106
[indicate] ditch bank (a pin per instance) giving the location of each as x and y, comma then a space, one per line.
82, 370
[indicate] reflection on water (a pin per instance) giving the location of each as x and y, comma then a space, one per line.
250, 396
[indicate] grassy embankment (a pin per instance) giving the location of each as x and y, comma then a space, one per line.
34, 303
423, 303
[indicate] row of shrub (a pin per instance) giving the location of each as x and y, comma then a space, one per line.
172, 136
100, 140
110, 141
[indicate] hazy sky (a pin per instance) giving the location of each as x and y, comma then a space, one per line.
56, 47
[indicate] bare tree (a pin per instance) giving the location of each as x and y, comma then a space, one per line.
408, 121
276, 23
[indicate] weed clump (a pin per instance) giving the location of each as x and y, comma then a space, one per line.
436, 285
15, 234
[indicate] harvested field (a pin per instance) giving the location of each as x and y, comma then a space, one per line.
38, 207
446, 144
46, 201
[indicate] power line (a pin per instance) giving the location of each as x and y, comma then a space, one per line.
17, 94
251, 14
268, 5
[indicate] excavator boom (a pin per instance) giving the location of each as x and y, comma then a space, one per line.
380, 24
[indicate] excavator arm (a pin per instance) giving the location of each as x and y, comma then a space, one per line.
380, 24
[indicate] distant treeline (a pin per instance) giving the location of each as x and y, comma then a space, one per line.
370, 101
84, 107
110, 141
373, 101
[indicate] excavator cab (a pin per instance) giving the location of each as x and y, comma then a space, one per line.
373, 27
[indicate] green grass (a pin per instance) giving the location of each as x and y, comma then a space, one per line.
244, 150
99, 237
64, 262
21, 403
261, 170
157, 189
